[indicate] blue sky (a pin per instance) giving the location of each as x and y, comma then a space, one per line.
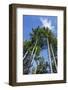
32, 21
42, 21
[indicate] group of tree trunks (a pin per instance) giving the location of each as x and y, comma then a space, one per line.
33, 63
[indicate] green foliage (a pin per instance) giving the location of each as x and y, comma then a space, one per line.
42, 66
40, 35
26, 45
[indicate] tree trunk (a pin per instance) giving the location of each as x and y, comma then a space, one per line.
33, 49
25, 55
33, 55
49, 54
34, 60
28, 50
53, 57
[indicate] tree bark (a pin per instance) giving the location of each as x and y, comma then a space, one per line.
33, 55
25, 55
33, 49
49, 54
34, 60
28, 51
53, 57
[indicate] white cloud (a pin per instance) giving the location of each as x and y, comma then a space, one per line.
46, 23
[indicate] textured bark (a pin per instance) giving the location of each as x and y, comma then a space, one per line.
33, 49
53, 57
49, 55
33, 55
25, 55
34, 60
27, 64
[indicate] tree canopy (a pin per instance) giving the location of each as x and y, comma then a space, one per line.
32, 48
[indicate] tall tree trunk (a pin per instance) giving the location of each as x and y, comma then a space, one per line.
53, 57
33, 55
25, 55
28, 51
33, 49
34, 60
49, 54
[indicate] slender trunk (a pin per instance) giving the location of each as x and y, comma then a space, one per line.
49, 55
28, 51
33, 49
34, 60
32, 55
53, 57
25, 55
